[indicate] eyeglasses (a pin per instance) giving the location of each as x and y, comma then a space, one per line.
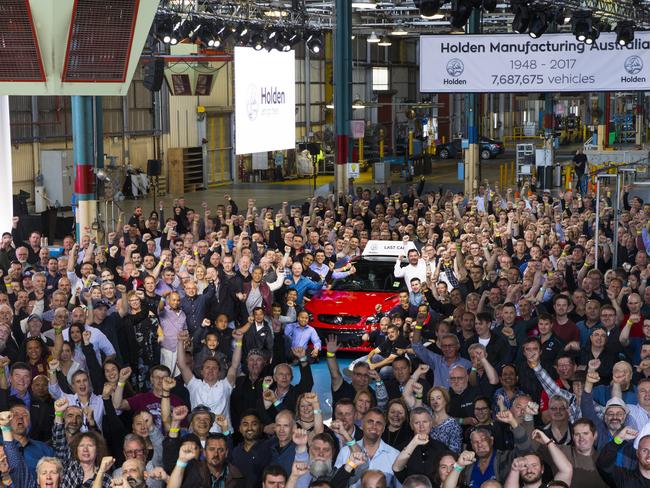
134, 452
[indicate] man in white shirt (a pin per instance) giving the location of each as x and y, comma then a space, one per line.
416, 268
210, 391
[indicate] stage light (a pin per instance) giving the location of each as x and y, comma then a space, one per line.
521, 20
314, 43
581, 25
624, 32
538, 24
257, 41
460, 12
165, 29
428, 8
593, 35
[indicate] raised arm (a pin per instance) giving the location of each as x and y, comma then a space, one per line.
332, 364
231, 376
562, 463
181, 362
118, 402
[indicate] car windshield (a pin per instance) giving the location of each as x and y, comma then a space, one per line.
371, 276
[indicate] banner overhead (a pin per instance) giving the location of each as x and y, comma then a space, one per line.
265, 100
519, 63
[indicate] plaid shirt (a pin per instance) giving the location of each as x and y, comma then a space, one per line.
73, 473
552, 388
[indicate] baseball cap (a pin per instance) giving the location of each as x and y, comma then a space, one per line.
255, 352
34, 316
101, 303
617, 402
202, 409
27, 274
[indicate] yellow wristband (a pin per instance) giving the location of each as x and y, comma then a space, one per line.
8, 285
238, 343
174, 430
352, 465
331, 354
418, 327
121, 384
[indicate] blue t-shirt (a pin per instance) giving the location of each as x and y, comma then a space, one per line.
478, 478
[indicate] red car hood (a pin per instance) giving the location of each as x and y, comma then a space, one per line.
351, 302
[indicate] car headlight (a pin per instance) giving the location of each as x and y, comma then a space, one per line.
372, 320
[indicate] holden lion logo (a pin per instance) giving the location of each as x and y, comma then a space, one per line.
252, 104
633, 65
455, 67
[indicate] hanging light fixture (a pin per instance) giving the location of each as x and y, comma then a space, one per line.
399, 31
364, 4
624, 32
373, 39
385, 41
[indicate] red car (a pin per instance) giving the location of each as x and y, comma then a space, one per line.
348, 308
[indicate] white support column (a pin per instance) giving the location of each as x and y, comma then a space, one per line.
6, 178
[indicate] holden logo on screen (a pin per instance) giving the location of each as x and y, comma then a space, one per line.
633, 65
252, 105
455, 67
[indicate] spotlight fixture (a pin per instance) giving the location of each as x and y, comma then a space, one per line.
182, 29
460, 12
428, 8
241, 30
385, 41
215, 42
373, 39
522, 18
314, 43
581, 25
165, 29
293, 38
562, 16
538, 24
624, 32
257, 41
242, 35
593, 35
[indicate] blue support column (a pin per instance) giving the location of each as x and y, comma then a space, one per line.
342, 91
472, 170
99, 132
83, 145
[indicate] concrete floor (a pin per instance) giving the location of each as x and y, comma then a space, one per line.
296, 191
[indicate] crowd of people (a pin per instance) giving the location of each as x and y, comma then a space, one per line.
177, 351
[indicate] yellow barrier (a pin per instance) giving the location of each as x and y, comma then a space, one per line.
507, 174
568, 177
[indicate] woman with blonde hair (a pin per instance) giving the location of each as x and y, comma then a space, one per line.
363, 401
49, 472
445, 428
